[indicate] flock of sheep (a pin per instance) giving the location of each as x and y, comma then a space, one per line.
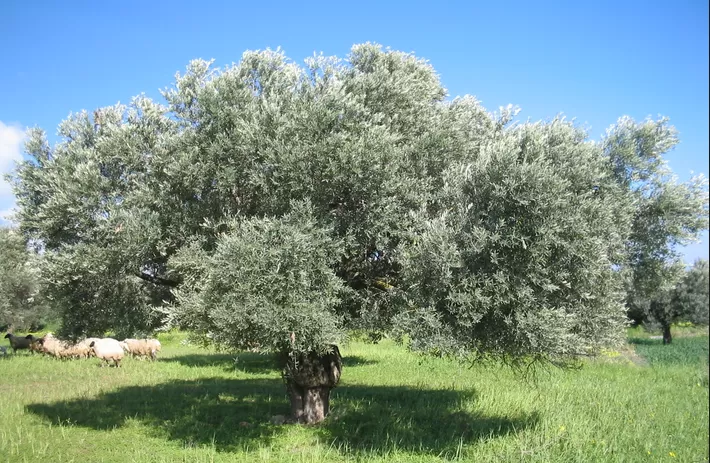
107, 349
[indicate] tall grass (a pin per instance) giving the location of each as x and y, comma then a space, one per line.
683, 351
196, 405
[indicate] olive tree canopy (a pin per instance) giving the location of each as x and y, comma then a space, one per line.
273, 206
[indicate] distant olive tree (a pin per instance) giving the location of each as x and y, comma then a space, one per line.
22, 306
692, 294
273, 207
687, 301
665, 214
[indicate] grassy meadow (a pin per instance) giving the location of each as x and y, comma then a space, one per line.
648, 402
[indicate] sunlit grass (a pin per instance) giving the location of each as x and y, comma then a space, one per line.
680, 330
196, 405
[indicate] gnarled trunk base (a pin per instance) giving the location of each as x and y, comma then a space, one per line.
309, 379
667, 338
309, 405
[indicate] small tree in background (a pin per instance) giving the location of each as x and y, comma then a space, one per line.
692, 294
686, 302
22, 306
665, 214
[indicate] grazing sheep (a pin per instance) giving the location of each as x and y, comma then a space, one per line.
35, 344
18, 343
154, 347
87, 342
52, 346
108, 349
63, 353
126, 345
141, 347
76, 351
82, 351
3, 350
41, 340
133, 346
55, 347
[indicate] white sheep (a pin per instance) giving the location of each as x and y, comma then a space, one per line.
53, 346
76, 351
108, 349
87, 342
131, 346
141, 347
155, 347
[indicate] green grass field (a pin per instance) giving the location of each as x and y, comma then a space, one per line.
646, 403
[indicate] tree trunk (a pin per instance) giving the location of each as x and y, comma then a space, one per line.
309, 405
667, 338
309, 379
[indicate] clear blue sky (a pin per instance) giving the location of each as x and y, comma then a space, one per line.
594, 61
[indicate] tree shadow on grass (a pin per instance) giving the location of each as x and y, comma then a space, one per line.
244, 361
380, 419
234, 414
646, 341
248, 362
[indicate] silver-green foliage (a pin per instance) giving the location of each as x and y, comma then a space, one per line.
687, 301
692, 294
519, 264
268, 286
22, 305
497, 239
665, 214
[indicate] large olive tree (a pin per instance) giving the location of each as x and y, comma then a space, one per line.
271, 206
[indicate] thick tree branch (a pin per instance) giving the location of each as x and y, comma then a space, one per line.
156, 280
